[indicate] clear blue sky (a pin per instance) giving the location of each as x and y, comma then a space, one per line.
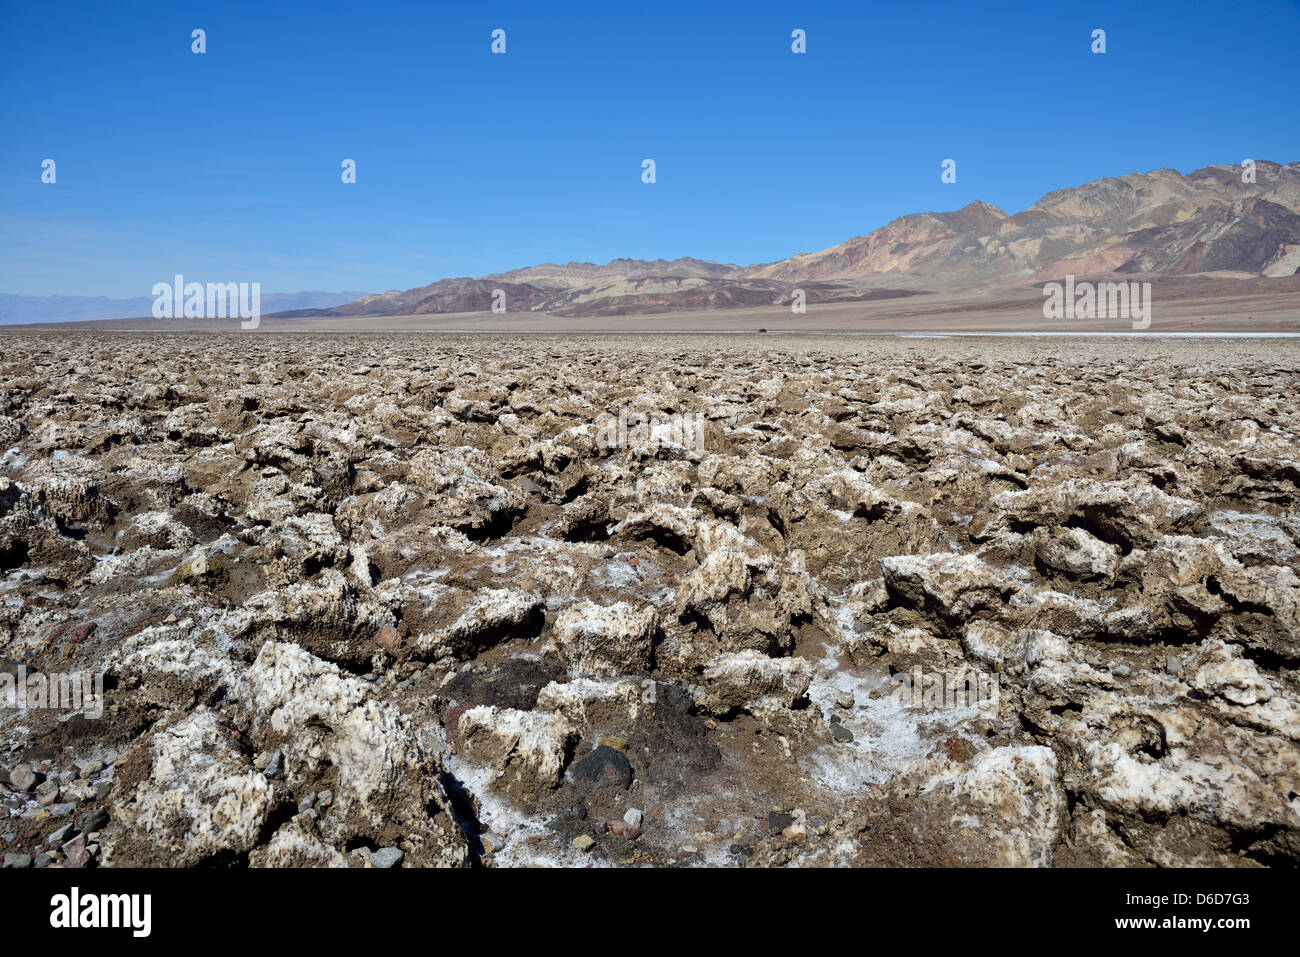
225, 166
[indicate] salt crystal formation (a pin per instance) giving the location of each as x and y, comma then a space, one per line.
393, 601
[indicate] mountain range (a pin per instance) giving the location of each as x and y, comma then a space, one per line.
1208, 223
1163, 223
16, 309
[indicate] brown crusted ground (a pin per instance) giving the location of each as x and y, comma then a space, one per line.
407, 564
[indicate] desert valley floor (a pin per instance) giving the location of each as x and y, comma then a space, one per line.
365, 600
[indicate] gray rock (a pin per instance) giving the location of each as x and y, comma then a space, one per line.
387, 857
88, 768
841, 733
1173, 666
275, 766
602, 765
64, 809
17, 860
1121, 671
61, 835
92, 820
633, 816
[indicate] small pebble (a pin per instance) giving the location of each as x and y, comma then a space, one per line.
584, 842
387, 857
78, 856
623, 829
61, 835
274, 766
633, 817
22, 778
92, 820
388, 639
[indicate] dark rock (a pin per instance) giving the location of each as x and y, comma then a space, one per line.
778, 821
602, 766
92, 820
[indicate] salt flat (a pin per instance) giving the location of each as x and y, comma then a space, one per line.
653, 598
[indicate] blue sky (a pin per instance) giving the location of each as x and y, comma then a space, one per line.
226, 166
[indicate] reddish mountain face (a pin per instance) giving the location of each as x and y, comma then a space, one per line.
1162, 223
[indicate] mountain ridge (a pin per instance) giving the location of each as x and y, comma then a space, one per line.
1159, 223
15, 309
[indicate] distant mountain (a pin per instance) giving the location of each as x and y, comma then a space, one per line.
15, 309
1162, 223
1158, 223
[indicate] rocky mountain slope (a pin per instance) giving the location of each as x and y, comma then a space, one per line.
1162, 223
